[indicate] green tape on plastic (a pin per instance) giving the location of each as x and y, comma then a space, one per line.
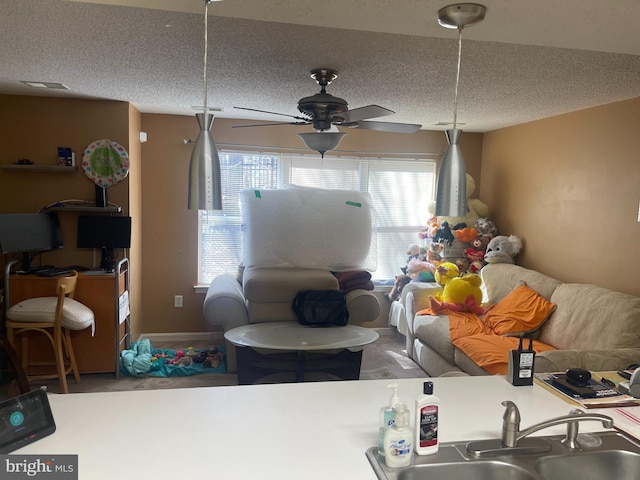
257, 192
354, 204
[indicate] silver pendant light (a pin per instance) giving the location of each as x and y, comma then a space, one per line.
451, 193
205, 191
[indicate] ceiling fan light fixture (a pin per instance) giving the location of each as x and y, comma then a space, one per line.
451, 192
205, 190
321, 142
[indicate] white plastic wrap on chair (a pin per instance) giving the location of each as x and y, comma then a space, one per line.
308, 228
75, 315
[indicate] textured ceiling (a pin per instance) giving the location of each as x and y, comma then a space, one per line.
526, 60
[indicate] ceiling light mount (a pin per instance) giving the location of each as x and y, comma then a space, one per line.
461, 15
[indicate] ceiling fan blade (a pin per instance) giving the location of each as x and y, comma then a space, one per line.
362, 113
271, 124
389, 127
272, 113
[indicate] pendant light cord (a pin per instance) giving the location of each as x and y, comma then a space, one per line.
455, 97
206, 43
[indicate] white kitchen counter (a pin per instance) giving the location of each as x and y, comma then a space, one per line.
285, 431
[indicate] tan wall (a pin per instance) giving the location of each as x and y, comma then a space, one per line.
569, 186
170, 230
33, 128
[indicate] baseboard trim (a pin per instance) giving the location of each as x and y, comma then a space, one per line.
213, 337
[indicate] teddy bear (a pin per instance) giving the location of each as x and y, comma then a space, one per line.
503, 249
475, 253
475, 208
460, 294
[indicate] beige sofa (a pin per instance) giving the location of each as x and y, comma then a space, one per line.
591, 327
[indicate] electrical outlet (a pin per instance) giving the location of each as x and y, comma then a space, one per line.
177, 301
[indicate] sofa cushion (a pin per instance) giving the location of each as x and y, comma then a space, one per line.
491, 352
499, 279
592, 318
523, 310
434, 331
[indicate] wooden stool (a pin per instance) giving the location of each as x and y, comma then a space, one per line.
54, 317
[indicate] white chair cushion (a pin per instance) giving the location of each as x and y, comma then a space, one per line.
75, 315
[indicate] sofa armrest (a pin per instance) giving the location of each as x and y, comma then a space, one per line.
592, 360
418, 299
363, 306
224, 304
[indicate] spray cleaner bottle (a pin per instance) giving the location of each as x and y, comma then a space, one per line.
388, 416
426, 427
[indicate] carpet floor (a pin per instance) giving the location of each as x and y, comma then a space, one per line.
384, 359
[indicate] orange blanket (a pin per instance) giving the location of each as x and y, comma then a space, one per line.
482, 345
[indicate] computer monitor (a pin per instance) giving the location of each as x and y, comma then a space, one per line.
106, 233
27, 233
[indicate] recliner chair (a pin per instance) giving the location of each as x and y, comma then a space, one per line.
295, 239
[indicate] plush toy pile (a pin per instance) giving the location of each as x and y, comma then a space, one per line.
457, 247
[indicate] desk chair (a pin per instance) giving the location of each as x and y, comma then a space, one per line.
54, 317
13, 380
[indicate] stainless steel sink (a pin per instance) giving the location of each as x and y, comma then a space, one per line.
481, 470
600, 456
586, 466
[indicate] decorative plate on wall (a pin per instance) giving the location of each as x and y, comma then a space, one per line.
105, 162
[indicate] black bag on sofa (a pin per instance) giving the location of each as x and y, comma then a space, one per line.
321, 308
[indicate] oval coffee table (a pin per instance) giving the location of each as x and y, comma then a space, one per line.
279, 347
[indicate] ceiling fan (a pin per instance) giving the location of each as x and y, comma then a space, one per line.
324, 110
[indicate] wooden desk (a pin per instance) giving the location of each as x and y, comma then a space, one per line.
95, 354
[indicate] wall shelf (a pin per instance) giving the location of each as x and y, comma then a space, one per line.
40, 168
84, 208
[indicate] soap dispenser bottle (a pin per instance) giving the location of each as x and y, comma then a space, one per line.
387, 416
398, 440
426, 426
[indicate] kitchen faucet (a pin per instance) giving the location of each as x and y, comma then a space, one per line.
511, 433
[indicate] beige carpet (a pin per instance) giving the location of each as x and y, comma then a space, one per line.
385, 358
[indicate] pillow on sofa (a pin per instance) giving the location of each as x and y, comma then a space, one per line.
523, 310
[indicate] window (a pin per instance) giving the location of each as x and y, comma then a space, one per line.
400, 189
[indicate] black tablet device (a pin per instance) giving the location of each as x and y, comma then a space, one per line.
25, 419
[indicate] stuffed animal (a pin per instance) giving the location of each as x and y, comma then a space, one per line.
475, 253
503, 249
486, 228
433, 253
475, 208
444, 234
398, 284
416, 266
445, 272
466, 234
461, 294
